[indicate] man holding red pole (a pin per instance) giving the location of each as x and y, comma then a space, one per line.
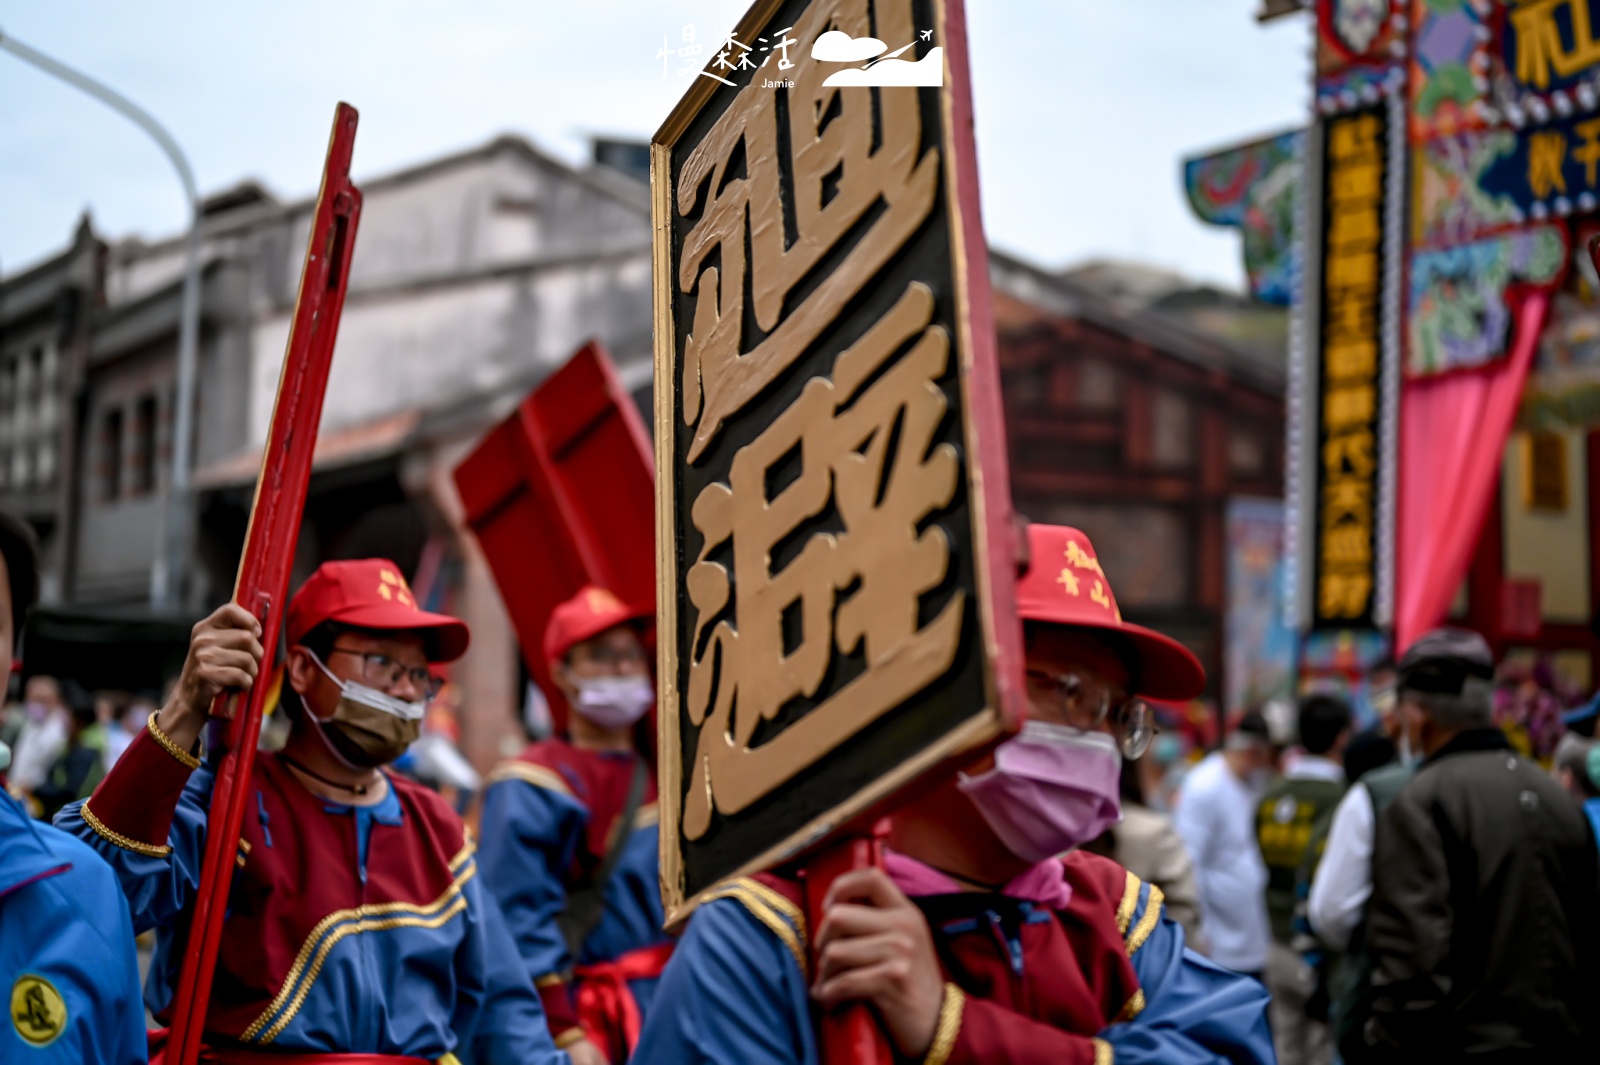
978, 942
357, 931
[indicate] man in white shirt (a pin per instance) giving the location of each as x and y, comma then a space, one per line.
1217, 819
1343, 881
44, 735
1336, 905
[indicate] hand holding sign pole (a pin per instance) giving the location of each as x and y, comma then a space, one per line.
833, 502
263, 581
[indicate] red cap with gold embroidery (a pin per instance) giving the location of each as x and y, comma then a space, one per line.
583, 617
1065, 585
370, 593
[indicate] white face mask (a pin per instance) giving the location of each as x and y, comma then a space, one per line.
614, 702
362, 695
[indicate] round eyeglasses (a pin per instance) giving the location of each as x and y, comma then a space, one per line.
1086, 703
382, 672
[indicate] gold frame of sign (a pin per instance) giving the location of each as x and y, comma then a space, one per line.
834, 530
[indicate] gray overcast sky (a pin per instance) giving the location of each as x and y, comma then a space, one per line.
1084, 107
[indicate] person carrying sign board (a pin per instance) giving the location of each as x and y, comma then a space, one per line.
357, 924
570, 839
988, 936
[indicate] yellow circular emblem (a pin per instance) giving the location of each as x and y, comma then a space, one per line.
38, 1012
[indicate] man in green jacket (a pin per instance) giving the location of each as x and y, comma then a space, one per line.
1311, 787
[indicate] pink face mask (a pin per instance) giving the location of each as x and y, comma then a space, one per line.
1053, 789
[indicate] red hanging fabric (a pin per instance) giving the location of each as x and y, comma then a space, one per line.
1453, 432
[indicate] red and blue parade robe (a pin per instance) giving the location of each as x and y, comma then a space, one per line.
349, 929
1073, 963
548, 818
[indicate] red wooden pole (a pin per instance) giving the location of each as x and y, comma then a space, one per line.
263, 581
849, 1035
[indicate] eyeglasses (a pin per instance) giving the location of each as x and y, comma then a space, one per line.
382, 672
612, 658
1086, 703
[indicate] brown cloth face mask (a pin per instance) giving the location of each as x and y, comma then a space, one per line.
368, 738
368, 728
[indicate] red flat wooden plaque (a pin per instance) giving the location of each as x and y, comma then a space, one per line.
560, 495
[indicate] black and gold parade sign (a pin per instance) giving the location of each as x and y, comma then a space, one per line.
1349, 456
833, 524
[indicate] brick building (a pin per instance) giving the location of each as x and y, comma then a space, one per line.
1138, 428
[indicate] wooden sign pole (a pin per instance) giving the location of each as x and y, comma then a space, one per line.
263, 579
850, 1035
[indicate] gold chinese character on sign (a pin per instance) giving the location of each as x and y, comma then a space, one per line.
1542, 50
862, 442
1344, 595
1547, 153
855, 167
1348, 406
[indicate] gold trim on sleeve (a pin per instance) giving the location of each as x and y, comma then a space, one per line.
1134, 1007
150, 850
550, 980
537, 775
171, 748
749, 894
1147, 921
951, 1009
1103, 1054
568, 1037
1130, 901
776, 901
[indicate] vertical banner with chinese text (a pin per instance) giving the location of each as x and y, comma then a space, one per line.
1348, 464
834, 531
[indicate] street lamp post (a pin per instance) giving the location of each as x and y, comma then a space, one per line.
165, 578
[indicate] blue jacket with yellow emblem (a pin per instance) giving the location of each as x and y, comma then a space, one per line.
71, 979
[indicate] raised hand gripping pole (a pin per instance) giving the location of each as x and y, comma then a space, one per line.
262, 584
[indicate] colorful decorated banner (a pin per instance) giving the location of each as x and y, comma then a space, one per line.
1457, 311
1450, 204
1358, 31
1351, 349
1549, 57
1360, 47
1450, 60
1546, 170
1252, 187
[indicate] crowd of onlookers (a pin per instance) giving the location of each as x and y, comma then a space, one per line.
62, 739
1425, 882
1424, 885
